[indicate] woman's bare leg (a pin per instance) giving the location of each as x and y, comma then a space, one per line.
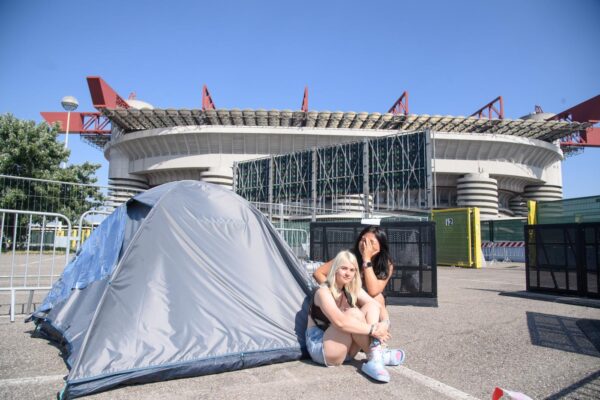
371, 312
336, 345
358, 341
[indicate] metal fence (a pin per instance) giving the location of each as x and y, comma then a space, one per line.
375, 174
503, 240
34, 249
583, 209
503, 251
37, 236
293, 221
89, 221
563, 258
412, 248
66, 198
503, 230
297, 239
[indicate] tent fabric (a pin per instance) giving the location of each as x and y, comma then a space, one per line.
203, 284
98, 251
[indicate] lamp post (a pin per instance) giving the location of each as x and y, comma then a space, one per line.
69, 103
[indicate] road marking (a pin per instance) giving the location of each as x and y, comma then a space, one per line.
431, 383
31, 380
482, 281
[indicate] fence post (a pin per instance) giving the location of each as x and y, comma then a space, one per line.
476, 238
365, 172
271, 188
313, 185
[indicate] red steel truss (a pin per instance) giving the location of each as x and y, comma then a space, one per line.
103, 96
80, 122
587, 111
401, 105
304, 106
207, 101
495, 106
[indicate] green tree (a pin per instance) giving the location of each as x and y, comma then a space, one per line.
30, 150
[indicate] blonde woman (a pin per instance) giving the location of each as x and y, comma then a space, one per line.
344, 319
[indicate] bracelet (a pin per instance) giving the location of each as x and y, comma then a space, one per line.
386, 321
371, 330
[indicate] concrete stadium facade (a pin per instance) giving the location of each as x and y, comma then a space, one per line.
492, 164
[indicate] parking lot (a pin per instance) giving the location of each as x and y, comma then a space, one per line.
484, 332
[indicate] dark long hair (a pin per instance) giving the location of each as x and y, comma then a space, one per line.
382, 259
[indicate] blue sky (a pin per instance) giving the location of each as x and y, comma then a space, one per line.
452, 56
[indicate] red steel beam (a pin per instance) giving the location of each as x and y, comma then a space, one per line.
587, 111
103, 96
207, 101
80, 122
588, 138
401, 105
304, 106
490, 108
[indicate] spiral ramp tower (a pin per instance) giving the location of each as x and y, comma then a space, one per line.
350, 203
518, 205
478, 190
543, 192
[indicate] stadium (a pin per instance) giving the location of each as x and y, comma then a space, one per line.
483, 160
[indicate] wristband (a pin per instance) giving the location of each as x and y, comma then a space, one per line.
367, 264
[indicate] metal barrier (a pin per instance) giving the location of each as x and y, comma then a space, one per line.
563, 258
297, 239
68, 198
412, 249
503, 251
32, 254
80, 229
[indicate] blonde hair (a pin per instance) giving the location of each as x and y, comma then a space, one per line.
354, 286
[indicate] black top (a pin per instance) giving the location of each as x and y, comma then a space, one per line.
319, 316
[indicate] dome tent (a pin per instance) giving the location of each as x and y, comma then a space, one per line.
186, 279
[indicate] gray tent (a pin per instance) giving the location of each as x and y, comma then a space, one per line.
186, 279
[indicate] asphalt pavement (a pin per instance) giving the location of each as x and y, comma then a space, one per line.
485, 331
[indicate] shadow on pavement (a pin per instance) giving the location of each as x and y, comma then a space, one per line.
564, 333
572, 300
587, 388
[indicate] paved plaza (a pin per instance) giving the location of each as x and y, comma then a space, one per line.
485, 331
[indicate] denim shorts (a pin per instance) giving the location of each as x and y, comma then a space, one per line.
314, 344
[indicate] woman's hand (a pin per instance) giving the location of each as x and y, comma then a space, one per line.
381, 332
367, 249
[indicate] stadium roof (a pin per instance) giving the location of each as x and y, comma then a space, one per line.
130, 120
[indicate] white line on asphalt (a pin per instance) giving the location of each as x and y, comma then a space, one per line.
482, 281
31, 380
431, 383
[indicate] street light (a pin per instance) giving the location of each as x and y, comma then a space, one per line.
69, 103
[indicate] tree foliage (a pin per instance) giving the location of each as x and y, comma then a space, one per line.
30, 150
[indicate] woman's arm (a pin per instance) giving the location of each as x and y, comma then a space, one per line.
364, 298
340, 320
320, 274
374, 285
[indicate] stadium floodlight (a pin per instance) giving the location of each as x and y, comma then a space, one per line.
69, 103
